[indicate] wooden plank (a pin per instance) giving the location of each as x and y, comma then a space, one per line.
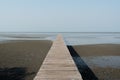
58, 64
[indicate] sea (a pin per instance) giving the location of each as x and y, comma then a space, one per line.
108, 66
70, 38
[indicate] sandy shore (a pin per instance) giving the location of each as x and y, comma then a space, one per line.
20, 60
97, 59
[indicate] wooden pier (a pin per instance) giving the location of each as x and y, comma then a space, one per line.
58, 64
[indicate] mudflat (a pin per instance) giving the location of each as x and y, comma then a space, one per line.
102, 60
98, 50
20, 60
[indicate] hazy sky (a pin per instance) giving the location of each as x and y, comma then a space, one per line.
60, 15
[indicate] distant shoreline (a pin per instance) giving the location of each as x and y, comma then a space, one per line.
59, 32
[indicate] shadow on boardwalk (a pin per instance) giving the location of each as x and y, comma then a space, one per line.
83, 68
16, 73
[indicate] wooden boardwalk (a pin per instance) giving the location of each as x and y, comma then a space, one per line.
58, 64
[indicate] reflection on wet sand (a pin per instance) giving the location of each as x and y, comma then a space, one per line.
102, 60
16, 73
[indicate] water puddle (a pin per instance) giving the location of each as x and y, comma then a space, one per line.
103, 61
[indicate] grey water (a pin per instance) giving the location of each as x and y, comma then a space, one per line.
92, 38
70, 38
103, 61
24, 36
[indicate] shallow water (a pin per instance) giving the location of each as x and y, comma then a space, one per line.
69, 38
104, 67
103, 61
91, 38
7, 37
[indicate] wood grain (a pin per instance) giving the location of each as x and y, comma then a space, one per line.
58, 64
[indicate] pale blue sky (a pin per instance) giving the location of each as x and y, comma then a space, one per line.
59, 15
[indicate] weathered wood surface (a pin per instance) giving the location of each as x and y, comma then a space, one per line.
58, 64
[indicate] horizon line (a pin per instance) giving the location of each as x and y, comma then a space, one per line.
61, 32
